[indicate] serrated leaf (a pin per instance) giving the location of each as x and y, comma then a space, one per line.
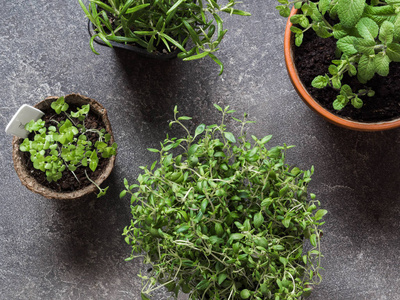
382, 64
324, 5
365, 46
367, 28
298, 39
350, 11
380, 13
393, 51
340, 102
396, 32
339, 32
333, 70
346, 45
386, 32
366, 67
346, 90
357, 102
320, 82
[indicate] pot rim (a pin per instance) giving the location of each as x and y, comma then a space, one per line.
313, 104
31, 183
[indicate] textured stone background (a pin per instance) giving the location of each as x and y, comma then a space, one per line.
74, 250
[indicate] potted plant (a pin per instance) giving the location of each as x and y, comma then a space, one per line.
341, 67
220, 218
160, 27
69, 152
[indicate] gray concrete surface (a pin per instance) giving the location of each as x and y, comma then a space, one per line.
74, 250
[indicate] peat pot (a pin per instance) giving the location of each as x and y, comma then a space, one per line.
32, 184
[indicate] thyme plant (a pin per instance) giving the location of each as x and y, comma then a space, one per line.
368, 40
225, 218
65, 146
152, 23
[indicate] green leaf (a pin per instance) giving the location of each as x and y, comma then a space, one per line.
346, 45
218, 107
382, 64
258, 219
386, 32
350, 11
366, 67
183, 229
94, 160
313, 240
203, 206
357, 102
236, 236
144, 297
230, 137
319, 214
286, 222
396, 32
367, 28
393, 52
320, 82
340, 102
221, 278
199, 129
365, 46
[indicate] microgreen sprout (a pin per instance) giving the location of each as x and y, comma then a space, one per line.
224, 217
368, 40
66, 147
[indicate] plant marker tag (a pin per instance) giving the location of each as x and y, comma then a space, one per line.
24, 115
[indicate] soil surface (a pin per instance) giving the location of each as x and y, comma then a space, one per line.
313, 58
68, 182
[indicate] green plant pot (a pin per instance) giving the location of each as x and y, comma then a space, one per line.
133, 48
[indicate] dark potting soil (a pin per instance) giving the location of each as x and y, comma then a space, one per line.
68, 183
313, 58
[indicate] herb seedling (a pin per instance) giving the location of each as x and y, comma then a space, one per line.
65, 146
368, 40
224, 219
154, 23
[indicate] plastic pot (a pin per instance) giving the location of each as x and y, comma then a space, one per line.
32, 184
313, 104
135, 49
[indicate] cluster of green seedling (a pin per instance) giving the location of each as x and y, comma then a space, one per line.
65, 146
367, 33
152, 23
225, 219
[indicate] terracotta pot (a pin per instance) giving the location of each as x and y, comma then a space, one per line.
31, 183
313, 104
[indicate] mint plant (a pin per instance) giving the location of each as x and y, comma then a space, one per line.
65, 146
224, 217
153, 23
368, 40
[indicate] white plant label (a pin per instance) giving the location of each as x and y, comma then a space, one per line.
24, 115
